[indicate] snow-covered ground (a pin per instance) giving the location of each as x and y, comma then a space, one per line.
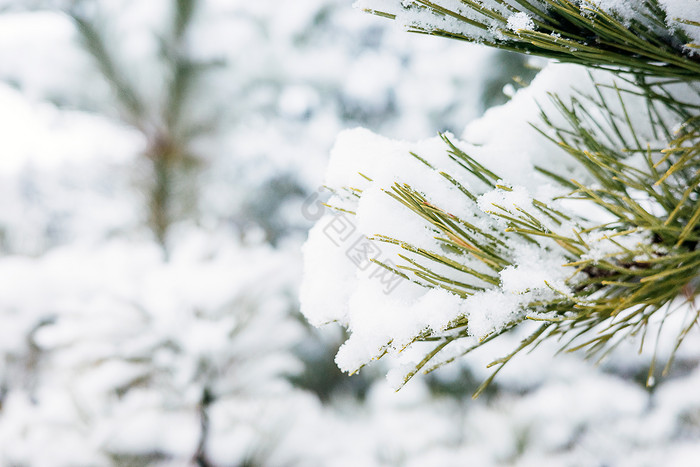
113, 352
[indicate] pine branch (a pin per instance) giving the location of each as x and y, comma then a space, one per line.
607, 276
95, 45
652, 257
573, 31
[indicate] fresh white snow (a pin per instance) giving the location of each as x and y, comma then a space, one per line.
107, 347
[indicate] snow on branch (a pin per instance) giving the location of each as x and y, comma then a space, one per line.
483, 237
658, 37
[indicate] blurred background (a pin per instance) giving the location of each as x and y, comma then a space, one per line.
160, 163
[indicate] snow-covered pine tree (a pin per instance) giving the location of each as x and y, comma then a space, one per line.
570, 213
165, 121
